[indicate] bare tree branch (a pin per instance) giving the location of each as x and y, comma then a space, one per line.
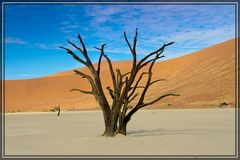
148, 81
160, 50
126, 39
85, 54
126, 74
83, 45
158, 99
82, 91
135, 87
135, 43
75, 46
112, 74
74, 55
133, 50
136, 69
141, 99
110, 91
131, 99
83, 75
119, 81
147, 62
158, 80
100, 57
119, 76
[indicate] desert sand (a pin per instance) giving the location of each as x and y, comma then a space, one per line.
205, 79
151, 132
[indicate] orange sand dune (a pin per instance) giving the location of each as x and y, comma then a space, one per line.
204, 79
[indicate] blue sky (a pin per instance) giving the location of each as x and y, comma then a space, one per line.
33, 33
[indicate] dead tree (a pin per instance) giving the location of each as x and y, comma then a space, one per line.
59, 110
118, 114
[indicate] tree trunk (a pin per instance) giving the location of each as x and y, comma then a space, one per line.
122, 129
110, 129
110, 125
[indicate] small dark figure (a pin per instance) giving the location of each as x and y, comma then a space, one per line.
224, 104
59, 110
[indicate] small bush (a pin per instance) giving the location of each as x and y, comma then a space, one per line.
54, 109
169, 104
224, 104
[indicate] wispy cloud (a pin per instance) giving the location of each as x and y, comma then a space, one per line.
47, 46
12, 40
190, 26
195, 38
207, 35
68, 28
18, 41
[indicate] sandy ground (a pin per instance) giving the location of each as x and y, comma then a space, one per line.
151, 132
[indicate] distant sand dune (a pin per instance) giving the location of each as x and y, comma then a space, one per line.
204, 79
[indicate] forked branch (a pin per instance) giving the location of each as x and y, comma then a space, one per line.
83, 75
159, 51
132, 49
100, 57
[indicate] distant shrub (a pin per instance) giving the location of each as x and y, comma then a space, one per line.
224, 104
54, 109
169, 104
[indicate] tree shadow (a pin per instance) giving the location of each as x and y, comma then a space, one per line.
159, 131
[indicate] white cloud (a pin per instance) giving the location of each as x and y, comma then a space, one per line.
194, 39
12, 40
66, 28
47, 46
209, 35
